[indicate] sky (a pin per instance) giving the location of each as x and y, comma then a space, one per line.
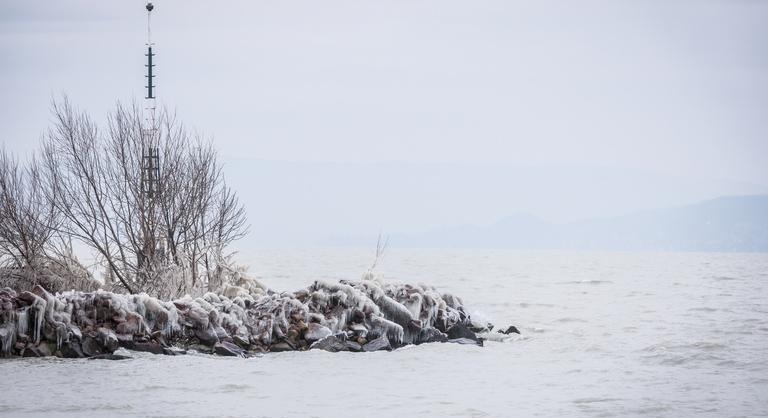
400, 115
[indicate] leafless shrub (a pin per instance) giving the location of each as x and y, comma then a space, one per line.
382, 245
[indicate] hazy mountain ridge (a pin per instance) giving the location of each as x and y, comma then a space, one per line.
732, 223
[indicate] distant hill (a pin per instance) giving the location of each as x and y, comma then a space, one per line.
734, 223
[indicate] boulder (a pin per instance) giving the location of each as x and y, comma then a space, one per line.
466, 341
71, 349
110, 357
430, 335
228, 349
354, 346
316, 332
147, 347
171, 351
241, 341
332, 343
131, 325
281, 347
33, 351
74, 332
108, 339
359, 330
381, 343
91, 346
510, 330
207, 336
461, 331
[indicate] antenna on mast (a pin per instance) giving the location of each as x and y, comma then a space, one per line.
150, 156
150, 76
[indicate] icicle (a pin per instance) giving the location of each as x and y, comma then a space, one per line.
22, 321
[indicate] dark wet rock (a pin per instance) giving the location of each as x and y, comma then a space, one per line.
354, 346
466, 341
91, 346
510, 330
71, 349
461, 331
207, 336
241, 341
478, 328
46, 349
332, 343
108, 339
281, 347
33, 351
110, 357
381, 343
147, 347
430, 335
228, 349
170, 351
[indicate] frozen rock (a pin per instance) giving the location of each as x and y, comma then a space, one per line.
332, 343
228, 349
71, 349
33, 351
466, 341
316, 332
510, 330
461, 331
148, 347
431, 335
381, 343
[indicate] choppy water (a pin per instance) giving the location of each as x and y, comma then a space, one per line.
604, 334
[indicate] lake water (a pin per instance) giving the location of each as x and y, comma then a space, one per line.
603, 334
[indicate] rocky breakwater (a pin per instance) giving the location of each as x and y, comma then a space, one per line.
239, 320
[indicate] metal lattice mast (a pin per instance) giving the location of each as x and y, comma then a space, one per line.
150, 159
150, 155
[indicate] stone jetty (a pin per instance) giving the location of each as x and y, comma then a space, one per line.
242, 319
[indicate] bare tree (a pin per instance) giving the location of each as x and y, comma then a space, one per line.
27, 219
154, 240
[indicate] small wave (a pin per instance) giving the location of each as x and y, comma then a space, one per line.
699, 345
652, 410
470, 412
592, 282
8, 408
724, 278
595, 400
680, 354
568, 319
543, 305
703, 309
233, 387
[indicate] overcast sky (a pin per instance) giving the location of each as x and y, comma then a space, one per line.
672, 88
